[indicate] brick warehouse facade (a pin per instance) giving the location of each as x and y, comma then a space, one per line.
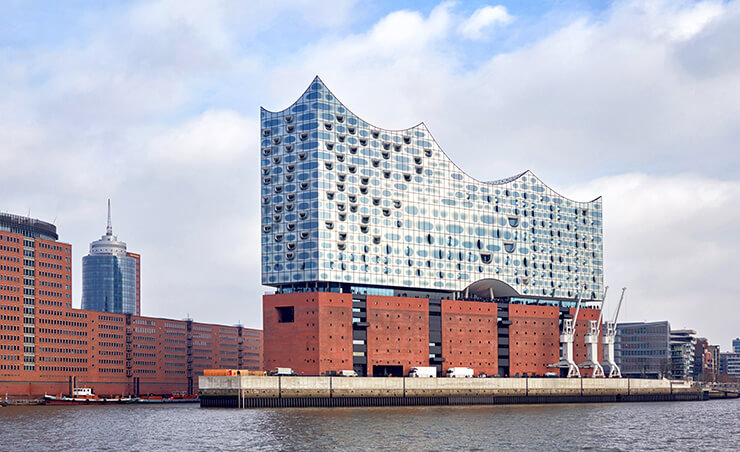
388, 335
45, 344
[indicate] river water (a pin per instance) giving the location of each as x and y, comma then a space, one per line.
710, 425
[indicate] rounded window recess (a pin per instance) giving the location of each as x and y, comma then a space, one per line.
363, 190
328, 166
353, 208
352, 198
276, 140
385, 155
290, 167
509, 247
291, 226
340, 206
342, 236
290, 246
341, 246
327, 125
376, 201
330, 146
353, 149
352, 169
417, 160
364, 229
428, 152
304, 185
397, 204
303, 136
278, 188
302, 155
290, 128
329, 225
397, 147
265, 171
376, 163
341, 138
365, 219
514, 222
364, 180
266, 132
289, 177
289, 256
267, 228
266, 151
288, 118
386, 145
302, 215
375, 133
289, 206
387, 174
387, 212
351, 130
278, 237
407, 177
278, 208
407, 139
363, 141
485, 258
275, 159
304, 235
340, 157
340, 118
266, 200
340, 187
290, 196
342, 216
267, 180
376, 239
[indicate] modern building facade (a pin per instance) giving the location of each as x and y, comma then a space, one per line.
643, 349
385, 255
736, 345
730, 364
111, 276
46, 345
683, 354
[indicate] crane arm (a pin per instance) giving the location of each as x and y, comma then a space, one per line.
578, 306
601, 311
619, 306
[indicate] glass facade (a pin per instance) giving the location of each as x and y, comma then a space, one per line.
643, 349
347, 202
109, 284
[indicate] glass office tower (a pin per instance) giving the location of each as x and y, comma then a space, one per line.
109, 276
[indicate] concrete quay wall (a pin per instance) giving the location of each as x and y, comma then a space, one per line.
218, 390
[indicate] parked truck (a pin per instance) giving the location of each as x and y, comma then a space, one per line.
423, 372
460, 372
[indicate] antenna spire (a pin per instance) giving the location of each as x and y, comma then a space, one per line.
109, 229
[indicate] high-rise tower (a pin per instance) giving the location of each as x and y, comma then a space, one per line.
110, 276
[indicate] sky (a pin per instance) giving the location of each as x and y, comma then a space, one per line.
155, 104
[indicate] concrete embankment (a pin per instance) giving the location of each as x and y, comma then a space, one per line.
256, 391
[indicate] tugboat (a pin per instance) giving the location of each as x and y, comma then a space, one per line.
85, 396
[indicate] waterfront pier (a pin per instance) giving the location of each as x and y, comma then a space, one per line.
257, 391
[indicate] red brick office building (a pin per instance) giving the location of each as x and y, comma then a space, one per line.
46, 346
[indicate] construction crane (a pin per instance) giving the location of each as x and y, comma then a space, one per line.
566, 343
592, 342
610, 330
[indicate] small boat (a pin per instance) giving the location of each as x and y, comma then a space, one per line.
85, 396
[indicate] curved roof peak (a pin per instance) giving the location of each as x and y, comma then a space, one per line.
312, 94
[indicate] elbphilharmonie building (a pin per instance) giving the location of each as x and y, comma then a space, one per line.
348, 206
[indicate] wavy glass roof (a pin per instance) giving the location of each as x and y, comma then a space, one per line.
347, 202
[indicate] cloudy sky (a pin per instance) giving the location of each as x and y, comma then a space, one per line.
155, 104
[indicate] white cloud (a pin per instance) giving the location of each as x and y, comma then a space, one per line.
215, 137
483, 18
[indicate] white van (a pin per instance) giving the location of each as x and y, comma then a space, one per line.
423, 372
460, 372
282, 371
347, 373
